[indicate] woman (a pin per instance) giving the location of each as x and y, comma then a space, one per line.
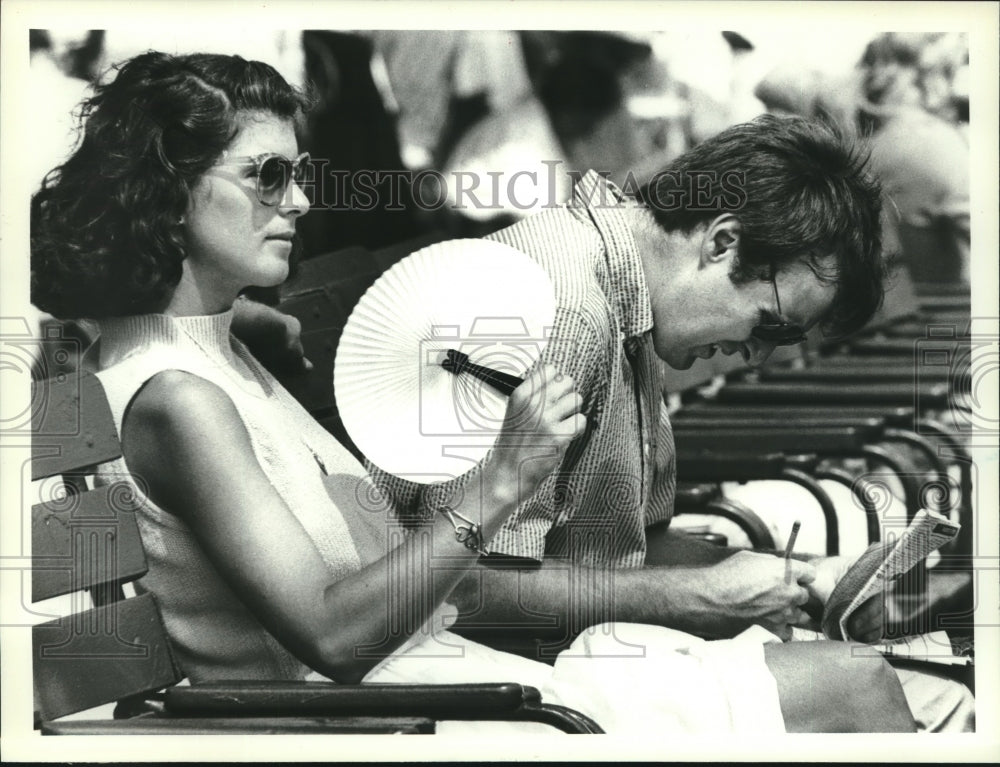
269, 551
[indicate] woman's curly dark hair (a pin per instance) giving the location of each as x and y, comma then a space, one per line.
105, 237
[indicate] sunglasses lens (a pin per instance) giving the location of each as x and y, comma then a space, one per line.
272, 181
301, 172
791, 340
779, 335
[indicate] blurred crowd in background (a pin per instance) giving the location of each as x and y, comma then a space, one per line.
493, 103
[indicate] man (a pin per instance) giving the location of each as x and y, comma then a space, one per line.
695, 267
919, 152
747, 241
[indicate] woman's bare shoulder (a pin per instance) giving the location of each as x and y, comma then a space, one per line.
181, 431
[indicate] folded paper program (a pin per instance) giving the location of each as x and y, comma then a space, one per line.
881, 565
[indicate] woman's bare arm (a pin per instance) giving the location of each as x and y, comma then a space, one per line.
184, 438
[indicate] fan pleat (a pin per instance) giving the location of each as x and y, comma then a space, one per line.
404, 412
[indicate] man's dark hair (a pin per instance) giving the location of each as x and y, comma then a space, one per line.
799, 190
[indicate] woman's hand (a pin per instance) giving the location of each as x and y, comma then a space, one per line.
543, 417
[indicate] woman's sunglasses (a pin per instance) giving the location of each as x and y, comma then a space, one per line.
779, 333
274, 172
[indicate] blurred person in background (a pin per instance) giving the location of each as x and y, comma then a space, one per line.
466, 109
511, 155
353, 129
716, 71
431, 100
580, 79
907, 96
794, 89
64, 64
401, 114
918, 150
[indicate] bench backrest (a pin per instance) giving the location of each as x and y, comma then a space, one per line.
86, 542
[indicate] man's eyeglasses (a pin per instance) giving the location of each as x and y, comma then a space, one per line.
274, 172
779, 333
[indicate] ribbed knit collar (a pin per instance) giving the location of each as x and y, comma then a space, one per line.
122, 335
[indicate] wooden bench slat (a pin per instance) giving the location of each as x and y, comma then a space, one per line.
90, 540
72, 427
707, 466
793, 439
99, 656
788, 393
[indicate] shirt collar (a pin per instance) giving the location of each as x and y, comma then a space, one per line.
626, 285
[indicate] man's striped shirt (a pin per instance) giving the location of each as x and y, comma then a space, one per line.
619, 476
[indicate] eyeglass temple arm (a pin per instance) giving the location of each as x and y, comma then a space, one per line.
458, 362
774, 286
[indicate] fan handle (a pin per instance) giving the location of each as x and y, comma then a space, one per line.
458, 362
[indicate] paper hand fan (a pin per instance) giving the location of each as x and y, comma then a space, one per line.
406, 370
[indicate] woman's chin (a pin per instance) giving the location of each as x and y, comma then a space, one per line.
272, 276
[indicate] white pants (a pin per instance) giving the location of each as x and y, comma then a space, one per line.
635, 678
629, 677
938, 704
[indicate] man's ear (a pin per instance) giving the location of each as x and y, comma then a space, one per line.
722, 240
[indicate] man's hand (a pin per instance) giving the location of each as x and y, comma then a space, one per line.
750, 588
867, 624
829, 571
272, 337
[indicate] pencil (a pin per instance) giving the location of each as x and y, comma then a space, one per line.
788, 549
791, 539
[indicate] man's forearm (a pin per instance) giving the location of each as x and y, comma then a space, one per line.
559, 600
545, 601
707, 590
